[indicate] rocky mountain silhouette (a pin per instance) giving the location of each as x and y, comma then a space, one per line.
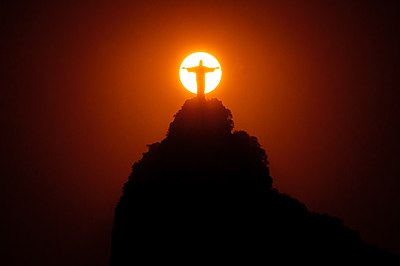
204, 194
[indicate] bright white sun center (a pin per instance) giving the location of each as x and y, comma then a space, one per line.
188, 79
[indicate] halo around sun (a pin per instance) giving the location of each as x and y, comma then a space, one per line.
188, 79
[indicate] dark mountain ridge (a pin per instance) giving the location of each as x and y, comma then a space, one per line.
205, 194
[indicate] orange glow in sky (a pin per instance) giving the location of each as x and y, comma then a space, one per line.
85, 86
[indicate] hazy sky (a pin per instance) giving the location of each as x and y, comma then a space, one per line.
85, 86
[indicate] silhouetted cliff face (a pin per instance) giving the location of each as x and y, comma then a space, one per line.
204, 193
200, 148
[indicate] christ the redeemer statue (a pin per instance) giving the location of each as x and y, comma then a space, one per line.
200, 71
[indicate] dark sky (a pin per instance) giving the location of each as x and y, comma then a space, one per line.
85, 86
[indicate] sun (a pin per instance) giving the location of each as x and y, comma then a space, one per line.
212, 77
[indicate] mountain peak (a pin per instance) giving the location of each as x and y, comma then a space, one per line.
201, 118
200, 148
205, 193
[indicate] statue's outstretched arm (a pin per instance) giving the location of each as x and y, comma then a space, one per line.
210, 69
190, 69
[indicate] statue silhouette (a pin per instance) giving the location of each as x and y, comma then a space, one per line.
200, 71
